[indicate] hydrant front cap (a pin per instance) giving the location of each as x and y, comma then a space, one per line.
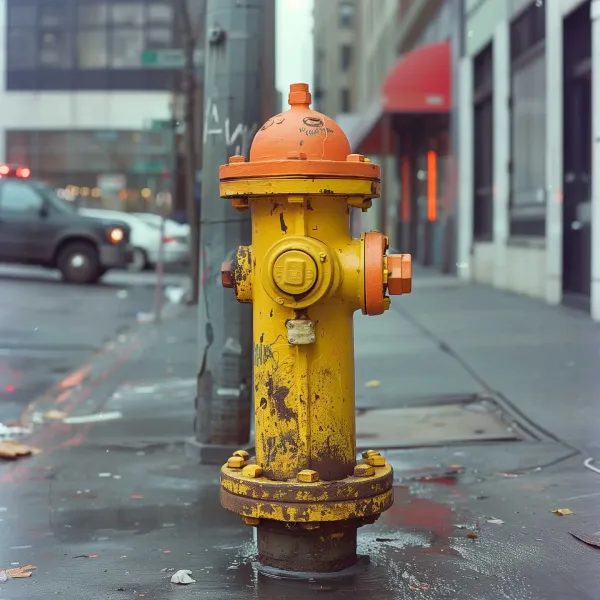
300, 133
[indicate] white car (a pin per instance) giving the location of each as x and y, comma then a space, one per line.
172, 228
145, 239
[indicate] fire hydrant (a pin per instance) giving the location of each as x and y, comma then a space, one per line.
306, 276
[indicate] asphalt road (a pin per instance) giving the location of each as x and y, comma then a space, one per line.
48, 328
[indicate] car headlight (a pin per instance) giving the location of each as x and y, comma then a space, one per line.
116, 235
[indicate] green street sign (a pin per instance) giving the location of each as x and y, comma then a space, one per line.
169, 58
150, 167
158, 125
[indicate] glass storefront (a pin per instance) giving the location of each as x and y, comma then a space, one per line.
116, 169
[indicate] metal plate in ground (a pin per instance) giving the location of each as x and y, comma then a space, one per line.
446, 423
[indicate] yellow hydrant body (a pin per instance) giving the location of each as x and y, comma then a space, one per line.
306, 276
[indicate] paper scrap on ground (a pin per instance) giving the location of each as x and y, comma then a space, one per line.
20, 572
3, 576
373, 384
97, 418
496, 521
563, 512
12, 450
182, 577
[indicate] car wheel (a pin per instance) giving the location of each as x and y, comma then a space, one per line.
79, 263
139, 262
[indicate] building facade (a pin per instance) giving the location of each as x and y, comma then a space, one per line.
86, 103
335, 55
79, 107
487, 116
530, 201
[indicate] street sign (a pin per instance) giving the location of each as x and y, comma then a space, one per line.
149, 166
170, 58
159, 125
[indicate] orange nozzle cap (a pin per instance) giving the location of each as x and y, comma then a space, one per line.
399, 274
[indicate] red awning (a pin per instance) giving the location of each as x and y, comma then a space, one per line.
419, 83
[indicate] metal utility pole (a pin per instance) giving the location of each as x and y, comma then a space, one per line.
189, 38
234, 65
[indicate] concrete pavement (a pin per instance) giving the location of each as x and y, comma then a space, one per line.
48, 328
108, 509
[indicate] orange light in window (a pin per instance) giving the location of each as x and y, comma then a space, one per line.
431, 185
23, 172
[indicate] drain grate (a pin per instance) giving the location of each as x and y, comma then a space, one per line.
449, 421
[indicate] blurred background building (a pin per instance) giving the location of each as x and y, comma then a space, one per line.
90, 92
481, 115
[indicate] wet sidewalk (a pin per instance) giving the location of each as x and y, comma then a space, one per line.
482, 445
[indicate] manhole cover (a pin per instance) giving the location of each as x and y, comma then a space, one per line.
432, 425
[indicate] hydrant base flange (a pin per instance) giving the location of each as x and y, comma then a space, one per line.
297, 502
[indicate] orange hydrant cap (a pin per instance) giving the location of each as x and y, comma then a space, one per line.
300, 133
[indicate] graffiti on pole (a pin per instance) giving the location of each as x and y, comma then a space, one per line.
237, 138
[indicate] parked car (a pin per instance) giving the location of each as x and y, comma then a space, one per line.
172, 228
37, 227
145, 240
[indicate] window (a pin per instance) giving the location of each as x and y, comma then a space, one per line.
345, 57
483, 107
92, 49
18, 196
159, 38
21, 46
22, 16
128, 13
52, 15
160, 13
54, 49
347, 12
92, 15
95, 44
127, 48
345, 100
528, 123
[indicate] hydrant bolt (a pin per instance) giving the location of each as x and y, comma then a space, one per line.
364, 470
368, 453
307, 476
235, 462
242, 453
376, 461
252, 521
252, 471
